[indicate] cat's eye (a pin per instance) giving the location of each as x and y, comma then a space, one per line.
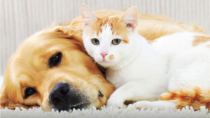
95, 41
116, 41
29, 91
55, 59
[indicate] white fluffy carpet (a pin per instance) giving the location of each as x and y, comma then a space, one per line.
104, 113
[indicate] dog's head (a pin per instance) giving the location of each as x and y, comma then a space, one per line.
51, 69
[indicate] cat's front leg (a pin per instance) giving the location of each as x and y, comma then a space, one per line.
133, 91
116, 100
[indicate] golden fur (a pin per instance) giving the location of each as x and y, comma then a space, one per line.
28, 65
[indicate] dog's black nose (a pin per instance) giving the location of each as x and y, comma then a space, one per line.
62, 97
59, 93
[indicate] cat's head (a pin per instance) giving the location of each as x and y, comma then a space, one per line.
108, 40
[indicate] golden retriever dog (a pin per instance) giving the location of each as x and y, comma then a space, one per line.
52, 70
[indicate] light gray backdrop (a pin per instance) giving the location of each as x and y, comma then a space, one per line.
21, 18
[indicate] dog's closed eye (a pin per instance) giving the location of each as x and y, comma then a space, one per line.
55, 59
29, 91
100, 94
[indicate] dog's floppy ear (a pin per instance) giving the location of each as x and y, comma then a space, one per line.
3, 98
70, 32
5, 102
75, 35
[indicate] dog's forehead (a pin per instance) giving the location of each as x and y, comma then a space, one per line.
30, 52
41, 42
33, 54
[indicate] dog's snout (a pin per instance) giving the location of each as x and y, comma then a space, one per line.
63, 97
59, 93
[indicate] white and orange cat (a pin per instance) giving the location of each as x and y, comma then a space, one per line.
142, 71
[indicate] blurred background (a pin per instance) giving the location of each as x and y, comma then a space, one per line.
21, 18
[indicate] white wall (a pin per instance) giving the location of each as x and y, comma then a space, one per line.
21, 18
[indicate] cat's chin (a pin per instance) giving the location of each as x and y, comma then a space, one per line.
105, 64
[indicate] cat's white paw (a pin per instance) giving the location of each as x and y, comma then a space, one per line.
115, 101
142, 104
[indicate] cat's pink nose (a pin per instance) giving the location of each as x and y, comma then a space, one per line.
103, 54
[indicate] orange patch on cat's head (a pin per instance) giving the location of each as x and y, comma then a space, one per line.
117, 27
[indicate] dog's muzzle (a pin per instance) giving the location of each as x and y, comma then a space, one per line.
63, 97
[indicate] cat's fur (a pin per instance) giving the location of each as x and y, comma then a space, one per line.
142, 71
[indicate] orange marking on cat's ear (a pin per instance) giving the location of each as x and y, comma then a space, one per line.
111, 57
200, 39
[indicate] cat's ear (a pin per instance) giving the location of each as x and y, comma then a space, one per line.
87, 15
130, 17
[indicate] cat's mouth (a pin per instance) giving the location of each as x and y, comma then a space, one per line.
103, 61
